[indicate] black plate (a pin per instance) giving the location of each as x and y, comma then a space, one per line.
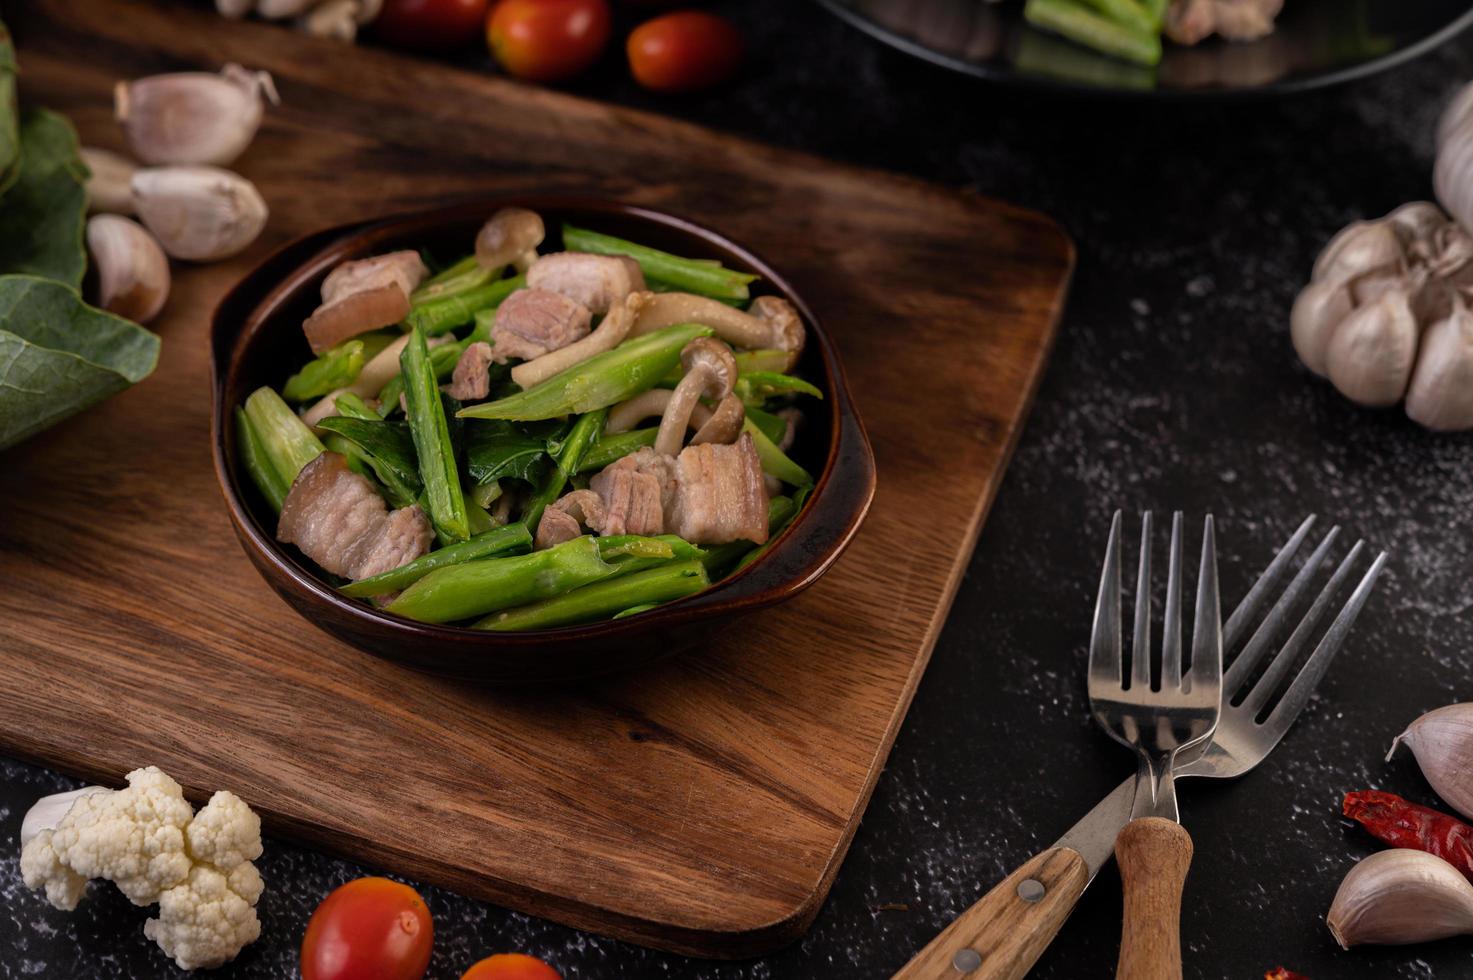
1318, 43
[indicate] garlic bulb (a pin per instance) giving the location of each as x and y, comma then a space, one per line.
1442, 742
1397, 897
132, 270
1452, 177
199, 213
1366, 320
109, 181
193, 117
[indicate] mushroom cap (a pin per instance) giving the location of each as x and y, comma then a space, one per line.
508, 234
785, 323
716, 360
725, 424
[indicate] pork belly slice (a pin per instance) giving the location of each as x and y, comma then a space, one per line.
339, 521
364, 295
472, 378
533, 322
593, 281
719, 496
632, 495
563, 519
1192, 21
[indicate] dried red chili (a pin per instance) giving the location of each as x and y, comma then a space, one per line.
1401, 823
1279, 973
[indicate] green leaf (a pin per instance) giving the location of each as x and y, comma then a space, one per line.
58, 355
499, 450
388, 447
9, 114
45, 211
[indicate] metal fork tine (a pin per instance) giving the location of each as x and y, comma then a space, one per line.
1171, 630
1140, 649
1207, 622
1299, 692
1283, 661
1247, 610
1105, 639
1277, 618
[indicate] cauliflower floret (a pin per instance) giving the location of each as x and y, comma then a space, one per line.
208, 919
148, 840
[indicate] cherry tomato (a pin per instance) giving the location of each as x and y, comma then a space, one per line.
686, 50
548, 40
430, 25
369, 929
511, 966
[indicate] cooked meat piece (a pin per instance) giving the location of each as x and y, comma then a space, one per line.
1191, 21
337, 519
662, 468
719, 495
594, 281
533, 322
563, 519
472, 378
632, 496
364, 295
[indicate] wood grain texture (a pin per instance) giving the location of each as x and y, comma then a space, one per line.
1007, 931
701, 806
1154, 855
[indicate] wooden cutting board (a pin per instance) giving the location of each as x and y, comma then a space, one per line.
703, 806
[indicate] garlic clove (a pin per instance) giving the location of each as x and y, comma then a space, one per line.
1457, 115
1318, 309
193, 117
109, 183
1442, 742
1417, 221
1452, 175
1365, 246
1397, 897
199, 213
1370, 354
132, 270
1368, 288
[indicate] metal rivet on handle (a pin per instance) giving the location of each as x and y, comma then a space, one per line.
966, 960
1031, 890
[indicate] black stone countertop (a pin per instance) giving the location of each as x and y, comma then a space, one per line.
1173, 385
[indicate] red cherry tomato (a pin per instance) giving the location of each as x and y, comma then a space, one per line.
369, 929
511, 966
686, 50
430, 25
548, 40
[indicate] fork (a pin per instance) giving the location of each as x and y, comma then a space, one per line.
1002, 935
1179, 714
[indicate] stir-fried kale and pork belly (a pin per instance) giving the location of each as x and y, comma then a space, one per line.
526, 440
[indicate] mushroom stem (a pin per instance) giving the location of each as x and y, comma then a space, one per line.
734, 326
648, 405
508, 236
710, 371
610, 334
725, 424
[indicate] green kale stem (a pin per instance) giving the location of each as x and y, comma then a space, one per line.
447, 274
1127, 13
463, 276
475, 588
286, 441
335, 368
566, 459
603, 599
611, 449
442, 362
692, 275
431, 431
511, 539
774, 461
351, 405
436, 316
253, 457
602, 380
1083, 25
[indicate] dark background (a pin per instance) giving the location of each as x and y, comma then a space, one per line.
1173, 385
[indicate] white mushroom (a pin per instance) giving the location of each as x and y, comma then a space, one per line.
508, 236
710, 372
725, 424
773, 323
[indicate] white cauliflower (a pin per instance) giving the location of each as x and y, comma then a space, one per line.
148, 840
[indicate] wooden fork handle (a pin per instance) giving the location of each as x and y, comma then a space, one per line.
1002, 936
1154, 855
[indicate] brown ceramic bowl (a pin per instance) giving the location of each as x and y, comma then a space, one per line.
257, 340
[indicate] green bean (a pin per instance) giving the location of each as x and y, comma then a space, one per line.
253, 458
603, 599
486, 494
476, 588
436, 316
774, 461
774, 427
565, 458
693, 275
598, 382
287, 442
503, 540
1083, 25
777, 521
442, 361
431, 431
611, 449
619, 546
